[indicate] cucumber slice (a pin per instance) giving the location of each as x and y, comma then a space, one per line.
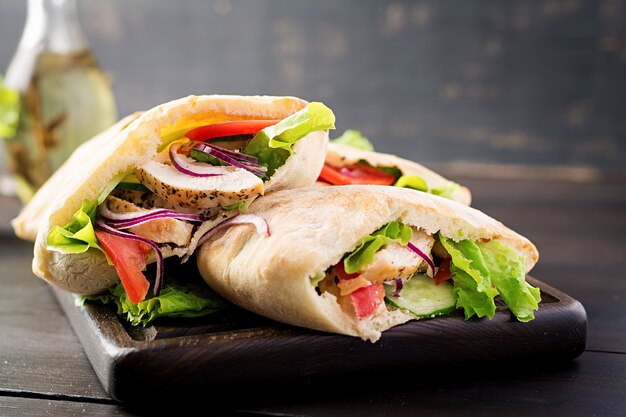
422, 297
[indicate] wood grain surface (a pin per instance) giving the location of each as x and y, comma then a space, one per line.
225, 349
579, 230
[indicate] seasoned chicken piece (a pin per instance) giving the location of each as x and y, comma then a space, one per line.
397, 261
149, 200
199, 193
166, 230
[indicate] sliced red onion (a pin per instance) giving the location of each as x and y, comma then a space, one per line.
248, 166
186, 167
158, 282
348, 173
137, 222
233, 154
425, 257
113, 217
260, 168
259, 222
399, 285
127, 220
217, 153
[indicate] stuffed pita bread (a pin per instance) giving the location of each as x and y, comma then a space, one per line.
360, 259
152, 185
346, 164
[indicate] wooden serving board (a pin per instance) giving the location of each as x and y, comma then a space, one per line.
237, 347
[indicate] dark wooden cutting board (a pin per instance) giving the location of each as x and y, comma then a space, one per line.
236, 346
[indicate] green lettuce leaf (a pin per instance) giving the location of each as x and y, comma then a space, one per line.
274, 144
412, 181
446, 190
355, 139
482, 270
363, 255
240, 206
78, 235
507, 269
177, 299
415, 182
128, 182
9, 110
132, 186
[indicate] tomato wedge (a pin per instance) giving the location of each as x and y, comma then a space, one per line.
238, 127
129, 258
340, 270
443, 273
367, 299
356, 174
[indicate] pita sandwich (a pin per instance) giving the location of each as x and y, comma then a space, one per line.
346, 164
152, 185
360, 259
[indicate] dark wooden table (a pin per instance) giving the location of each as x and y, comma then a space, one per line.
579, 228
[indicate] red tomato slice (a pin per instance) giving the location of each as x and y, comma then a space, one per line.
367, 299
356, 174
443, 273
340, 270
238, 127
129, 258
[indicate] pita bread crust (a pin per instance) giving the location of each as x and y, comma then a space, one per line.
339, 155
311, 229
303, 167
127, 145
32, 217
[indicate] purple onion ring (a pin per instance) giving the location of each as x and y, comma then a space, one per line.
262, 227
425, 257
188, 168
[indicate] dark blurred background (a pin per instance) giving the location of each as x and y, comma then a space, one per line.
450, 83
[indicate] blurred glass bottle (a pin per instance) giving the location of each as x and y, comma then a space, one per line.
65, 97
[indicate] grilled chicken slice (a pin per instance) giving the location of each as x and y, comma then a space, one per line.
397, 261
166, 230
392, 261
149, 200
199, 193
146, 200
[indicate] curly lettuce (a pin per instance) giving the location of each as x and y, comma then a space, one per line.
176, 299
415, 182
78, 235
483, 270
446, 190
412, 181
363, 255
274, 144
355, 139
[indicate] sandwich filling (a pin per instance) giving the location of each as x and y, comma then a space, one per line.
197, 182
341, 171
404, 267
